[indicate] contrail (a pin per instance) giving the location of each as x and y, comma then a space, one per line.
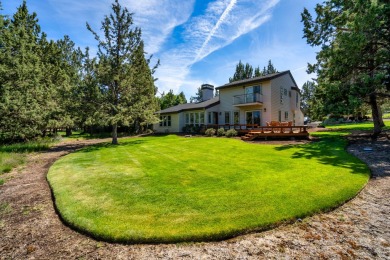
216, 27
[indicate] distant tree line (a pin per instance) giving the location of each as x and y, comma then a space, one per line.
46, 85
246, 71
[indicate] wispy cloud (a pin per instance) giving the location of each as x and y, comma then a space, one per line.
158, 18
219, 25
220, 21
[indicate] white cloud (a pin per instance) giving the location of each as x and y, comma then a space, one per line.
158, 18
221, 23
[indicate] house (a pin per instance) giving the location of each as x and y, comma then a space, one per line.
254, 101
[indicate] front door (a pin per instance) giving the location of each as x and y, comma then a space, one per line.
215, 118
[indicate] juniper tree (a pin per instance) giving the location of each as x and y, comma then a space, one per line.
353, 64
115, 77
23, 97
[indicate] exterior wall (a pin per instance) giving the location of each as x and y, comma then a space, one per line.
296, 107
226, 97
289, 104
226, 103
175, 124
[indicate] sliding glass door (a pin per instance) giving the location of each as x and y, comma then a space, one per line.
253, 117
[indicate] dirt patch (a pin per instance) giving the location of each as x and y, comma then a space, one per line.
30, 228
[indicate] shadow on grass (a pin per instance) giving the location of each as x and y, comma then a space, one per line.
329, 150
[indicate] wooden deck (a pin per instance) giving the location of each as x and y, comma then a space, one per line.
276, 131
252, 131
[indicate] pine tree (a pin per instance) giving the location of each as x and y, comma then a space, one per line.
170, 99
144, 103
120, 47
198, 96
23, 99
246, 71
353, 64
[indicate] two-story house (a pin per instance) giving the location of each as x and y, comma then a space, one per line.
274, 97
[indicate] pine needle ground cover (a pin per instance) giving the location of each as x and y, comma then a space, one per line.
175, 189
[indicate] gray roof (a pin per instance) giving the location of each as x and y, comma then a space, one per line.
258, 79
191, 106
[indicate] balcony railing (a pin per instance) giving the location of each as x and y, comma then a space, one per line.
247, 99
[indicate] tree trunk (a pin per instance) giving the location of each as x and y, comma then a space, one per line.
381, 117
376, 117
115, 133
68, 131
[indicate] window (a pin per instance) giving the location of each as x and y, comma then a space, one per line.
195, 118
252, 94
227, 117
201, 121
281, 95
165, 120
289, 93
286, 116
280, 116
236, 117
187, 119
285, 92
209, 118
296, 99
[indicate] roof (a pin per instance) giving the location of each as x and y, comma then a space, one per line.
190, 106
258, 79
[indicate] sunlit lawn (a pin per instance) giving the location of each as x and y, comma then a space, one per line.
366, 126
172, 189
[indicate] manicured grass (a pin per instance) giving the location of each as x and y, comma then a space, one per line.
173, 189
367, 126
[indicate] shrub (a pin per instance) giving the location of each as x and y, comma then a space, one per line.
231, 133
210, 132
221, 132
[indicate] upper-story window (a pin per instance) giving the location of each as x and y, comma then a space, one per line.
296, 99
252, 93
281, 95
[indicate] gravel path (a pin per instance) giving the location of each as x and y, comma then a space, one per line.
360, 229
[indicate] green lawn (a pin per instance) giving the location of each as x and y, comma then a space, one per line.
173, 189
366, 126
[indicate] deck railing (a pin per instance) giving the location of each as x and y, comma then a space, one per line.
248, 98
254, 128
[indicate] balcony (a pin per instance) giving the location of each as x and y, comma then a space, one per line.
248, 99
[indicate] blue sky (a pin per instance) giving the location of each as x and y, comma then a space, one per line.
196, 41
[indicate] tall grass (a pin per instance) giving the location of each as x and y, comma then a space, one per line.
14, 155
